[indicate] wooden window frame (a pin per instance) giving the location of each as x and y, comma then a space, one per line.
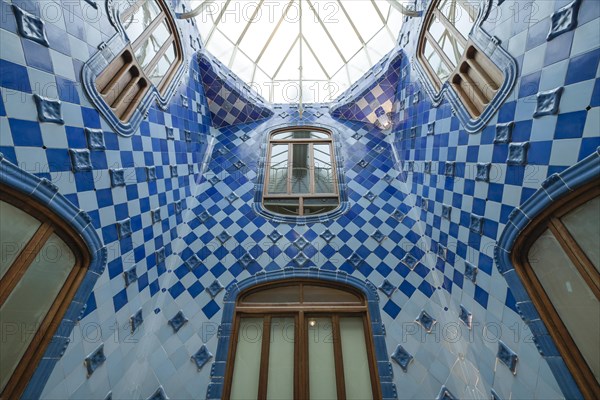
50, 223
301, 196
301, 312
475, 78
114, 84
550, 219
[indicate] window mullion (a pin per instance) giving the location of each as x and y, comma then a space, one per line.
587, 271
311, 167
148, 31
16, 271
334, 176
449, 25
303, 381
290, 164
440, 51
371, 356
264, 358
132, 9
161, 52
339, 361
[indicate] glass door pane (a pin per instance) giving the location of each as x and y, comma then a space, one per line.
16, 228
244, 384
301, 169
141, 19
150, 47
570, 295
321, 361
278, 169
29, 302
280, 384
356, 360
323, 169
583, 224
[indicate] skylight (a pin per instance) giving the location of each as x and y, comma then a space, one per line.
281, 46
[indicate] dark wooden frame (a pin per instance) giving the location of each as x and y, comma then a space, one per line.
301, 196
50, 223
476, 79
123, 83
301, 312
550, 219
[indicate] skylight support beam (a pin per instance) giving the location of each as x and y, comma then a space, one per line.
316, 58
300, 67
254, 14
286, 57
385, 21
291, 54
212, 30
283, 15
312, 7
358, 35
196, 11
403, 10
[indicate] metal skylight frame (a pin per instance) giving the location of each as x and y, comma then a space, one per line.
342, 76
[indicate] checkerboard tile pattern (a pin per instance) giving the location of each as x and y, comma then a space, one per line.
374, 95
230, 100
423, 209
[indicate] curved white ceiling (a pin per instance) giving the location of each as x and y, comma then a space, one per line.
280, 46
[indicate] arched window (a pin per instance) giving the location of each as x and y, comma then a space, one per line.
558, 260
42, 263
447, 54
300, 340
151, 57
300, 176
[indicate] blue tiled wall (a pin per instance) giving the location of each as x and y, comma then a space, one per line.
414, 234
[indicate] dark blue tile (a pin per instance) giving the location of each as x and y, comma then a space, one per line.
570, 125
583, 67
119, 300
67, 90
25, 133
14, 77
37, 56
530, 84
558, 49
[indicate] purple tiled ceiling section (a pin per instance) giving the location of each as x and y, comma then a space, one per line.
373, 95
230, 101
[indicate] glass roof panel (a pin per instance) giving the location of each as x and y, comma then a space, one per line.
366, 19
340, 41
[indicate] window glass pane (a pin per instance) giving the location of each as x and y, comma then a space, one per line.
300, 168
220, 47
148, 49
16, 228
322, 294
163, 65
300, 135
29, 302
573, 300
318, 209
323, 169
283, 206
283, 294
435, 61
141, 19
280, 384
461, 13
244, 384
583, 223
356, 361
321, 362
278, 169
444, 38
